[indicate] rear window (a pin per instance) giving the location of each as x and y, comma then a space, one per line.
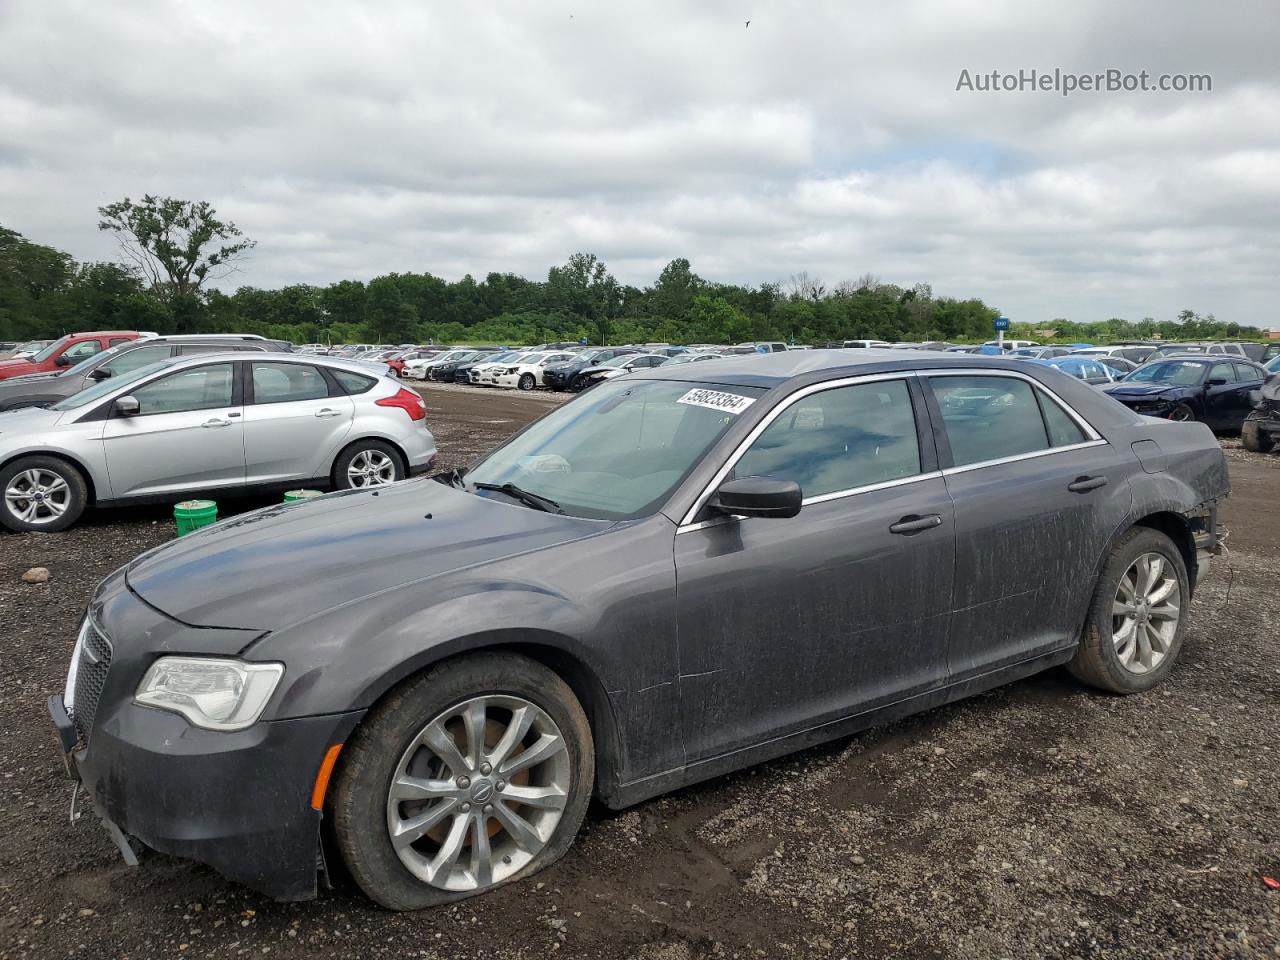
353, 382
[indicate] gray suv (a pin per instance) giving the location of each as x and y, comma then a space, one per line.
43, 389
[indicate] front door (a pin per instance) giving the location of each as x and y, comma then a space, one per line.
1221, 396
293, 427
1038, 496
786, 624
187, 434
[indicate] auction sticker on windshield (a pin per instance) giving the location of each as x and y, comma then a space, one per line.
715, 400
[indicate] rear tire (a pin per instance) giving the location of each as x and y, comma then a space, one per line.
368, 463
1138, 616
398, 732
1253, 439
41, 494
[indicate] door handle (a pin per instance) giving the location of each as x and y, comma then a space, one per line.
328, 412
215, 422
913, 523
1085, 484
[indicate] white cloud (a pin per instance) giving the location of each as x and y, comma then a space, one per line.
355, 139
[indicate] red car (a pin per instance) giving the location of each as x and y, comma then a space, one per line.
66, 352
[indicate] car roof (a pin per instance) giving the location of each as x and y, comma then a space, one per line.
367, 367
771, 369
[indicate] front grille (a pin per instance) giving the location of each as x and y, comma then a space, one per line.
91, 675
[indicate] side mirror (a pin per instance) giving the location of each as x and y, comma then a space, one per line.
127, 406
102, 373
758, 497
62, 361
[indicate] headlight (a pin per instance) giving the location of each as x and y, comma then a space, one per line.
215, 694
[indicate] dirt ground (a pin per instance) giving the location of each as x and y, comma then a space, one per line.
1040, 820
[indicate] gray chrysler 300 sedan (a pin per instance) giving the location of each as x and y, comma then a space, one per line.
681, 572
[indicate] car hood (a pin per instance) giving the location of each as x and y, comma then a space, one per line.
27, 420
273, 567
15, 368
1140, 390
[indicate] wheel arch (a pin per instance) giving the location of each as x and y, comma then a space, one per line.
342, 451
551, 651
1177, 528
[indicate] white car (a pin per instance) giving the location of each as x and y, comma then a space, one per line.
418, 369
486, 373
1011, 344
525, 373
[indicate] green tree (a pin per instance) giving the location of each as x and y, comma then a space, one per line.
389, 318
175, 245
585, 289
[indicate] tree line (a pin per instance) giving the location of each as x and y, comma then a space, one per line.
171, 250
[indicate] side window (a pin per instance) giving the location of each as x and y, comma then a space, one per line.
1223, 371
989, 418
353, 383
1063, 431
1137, 356
116, 341
283, 382
1095, 371
133, 359
189, 349
839, 439
1245, 372
200, 388
78, 351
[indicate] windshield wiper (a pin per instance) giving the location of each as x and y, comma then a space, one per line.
529, 499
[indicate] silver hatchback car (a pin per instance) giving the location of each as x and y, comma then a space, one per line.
214, 422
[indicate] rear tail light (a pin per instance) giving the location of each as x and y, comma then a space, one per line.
408, 401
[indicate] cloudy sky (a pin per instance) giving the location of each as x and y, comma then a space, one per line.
351, 139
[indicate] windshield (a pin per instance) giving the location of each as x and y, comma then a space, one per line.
49, 351
617, 452
104, 387
1178, 373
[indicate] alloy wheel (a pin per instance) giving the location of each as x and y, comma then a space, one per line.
371, 468
478, 793
1145, 613
37, 496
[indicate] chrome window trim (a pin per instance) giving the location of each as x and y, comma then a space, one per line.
686, 524
1096, 439
1048, 452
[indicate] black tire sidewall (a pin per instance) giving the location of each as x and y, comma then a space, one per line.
340, 465
75, 482
1105, 667
527, 382
1191, 414
358, 801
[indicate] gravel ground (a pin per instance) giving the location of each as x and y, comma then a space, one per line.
1039, 820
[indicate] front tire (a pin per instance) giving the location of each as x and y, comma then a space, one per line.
1182, 413
470, 775
368, 463
1138, 616
41, 494
527, 382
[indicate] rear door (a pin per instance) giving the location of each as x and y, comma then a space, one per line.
788, 624
1038, 495
186, 435
295, 420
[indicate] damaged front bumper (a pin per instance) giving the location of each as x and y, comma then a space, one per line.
239, 802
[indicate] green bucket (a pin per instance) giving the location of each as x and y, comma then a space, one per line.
292, 496
194, 514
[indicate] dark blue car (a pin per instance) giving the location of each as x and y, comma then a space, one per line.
1213, 390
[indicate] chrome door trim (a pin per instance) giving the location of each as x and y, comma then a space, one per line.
686, 524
